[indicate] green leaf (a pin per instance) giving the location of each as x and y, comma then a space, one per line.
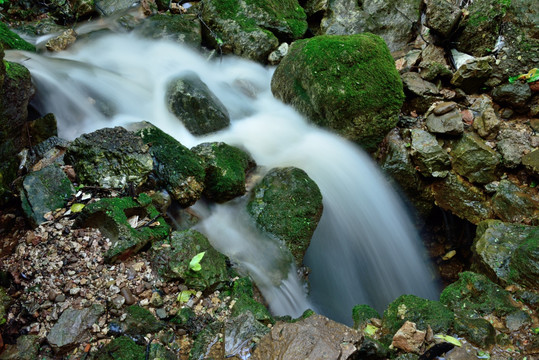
75, 208
194, 264
185, 295
449, 339
370, 330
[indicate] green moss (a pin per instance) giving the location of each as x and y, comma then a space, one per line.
16, 71
183, 316
478, 331
140, 321
362, 313
524, 266
242, 291
122, 348
10, 40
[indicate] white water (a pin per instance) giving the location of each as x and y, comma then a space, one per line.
364, 251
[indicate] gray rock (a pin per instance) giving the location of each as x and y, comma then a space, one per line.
444, 107
487, 123
276, 56
475, 160
449, 123
184, 29
442, 17
195, 105
515, 95
473, 74
512, 145
242, 333
421, 94
531, 161
428, 155
43, 191
72, 327
109, 7
513, 204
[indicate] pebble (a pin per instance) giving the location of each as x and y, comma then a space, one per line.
118, 301
144, 302
60, 298
156, 300
161, 313
52, 295
444, 107
467, 116
128, 296
74, 291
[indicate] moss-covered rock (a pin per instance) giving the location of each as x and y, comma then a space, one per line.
346, 83
225, 167
362, 313
140, 321
111, 217
121, 348
478, 331
177, 168
171, 259
42, 128
10, 40
474, 159
287, 204
184, 29
513, 204
242, 291
525, 261
207, 344
5, 302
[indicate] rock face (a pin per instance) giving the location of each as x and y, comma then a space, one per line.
111, 158
346, 83
287, 204
195, 105
315, 337
253, 28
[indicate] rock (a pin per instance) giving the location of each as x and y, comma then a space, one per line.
393, 21
362, 313
449, 123
43, 128
10, 40
486, 121
372, 349
478, 331
140, 322
515, 95
494, 244
465, 352
421, 93
287, 204
428, 155
242, 291
110, 158
275, 57
109, 7
525, 261
177, 168
408, 338
5, 303
317, 78
513, 204
253, 29
171, 259
128, 296
27, 348
72, 327
43, 191
315, 337
156, 300
444, 108
531, 162
472, 75
226, 167
462, 199
242, 333
442, 17
111, 217
62, 41
207, 344
193, 103
475, 160
123, 348
184, 29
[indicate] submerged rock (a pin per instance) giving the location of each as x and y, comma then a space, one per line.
348, 84
287, 204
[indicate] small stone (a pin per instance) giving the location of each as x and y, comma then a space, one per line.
156, 300
144, 302
467, 116
161, 313
52, 295
408, 338
128, 295
60, 298
62, 42
444, 108
118, 301
74, 291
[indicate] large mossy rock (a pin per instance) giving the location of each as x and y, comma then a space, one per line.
287, 204
177, 169
253, 28
183, 29
193, 103
111, 217
171, 259
10, 40
348, 84
111, 158
525, 261
226, 167
242, 292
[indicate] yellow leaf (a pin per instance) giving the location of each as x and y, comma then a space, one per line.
75, 208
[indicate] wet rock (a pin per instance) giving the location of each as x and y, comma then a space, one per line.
242, 333
474, 159
183, 29
442, 17
226, 167
393, 21
472, 75
62, 41
111, 217
531, 162
486, 121
449, 123
253, 29
372, 350
408, 338
275, 57
287, 204
462, 198
140, 322
444, 108
27, 348
195, 105
110, 158
242, 291
362, 313
177, 168
422, 93
428, 155
109, 7
207, 344
43, 191
512, 145
315, 337
121, 347
513, 204
465, 352
10, 40
478, 331
515, 95
494, 244
42, 128
171, 259
72, 327
525, 261
128, 296
317, 79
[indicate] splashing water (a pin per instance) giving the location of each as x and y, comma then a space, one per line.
364, 251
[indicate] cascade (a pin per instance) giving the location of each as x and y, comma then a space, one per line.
365, 249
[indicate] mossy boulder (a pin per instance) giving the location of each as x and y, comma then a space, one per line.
111, 158
176, 168
242, 291
226, 167
111, 217
10, 40
122, 348
207, 344
525, 261
362, 313
253, 28
184, 29
348, 84
478, 331
171, 259
287, 204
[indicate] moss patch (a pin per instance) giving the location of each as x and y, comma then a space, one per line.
243, 292
10, 40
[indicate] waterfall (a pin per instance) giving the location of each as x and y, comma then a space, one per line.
364, 251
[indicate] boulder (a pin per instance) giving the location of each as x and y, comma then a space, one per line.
226, 167
430, 158
473, 74
172, 260
253, 29
110, 158
449, 123
348, 84
193, 103
442, 17
184, 29
531, 162
514, 95
513, 204
287, 204
525, 261
408, 338
512, 145
242, 292
176, 168
474, 159
27, 348
393, 21
362, 314
479, 332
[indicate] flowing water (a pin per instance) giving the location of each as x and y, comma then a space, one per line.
364, 251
